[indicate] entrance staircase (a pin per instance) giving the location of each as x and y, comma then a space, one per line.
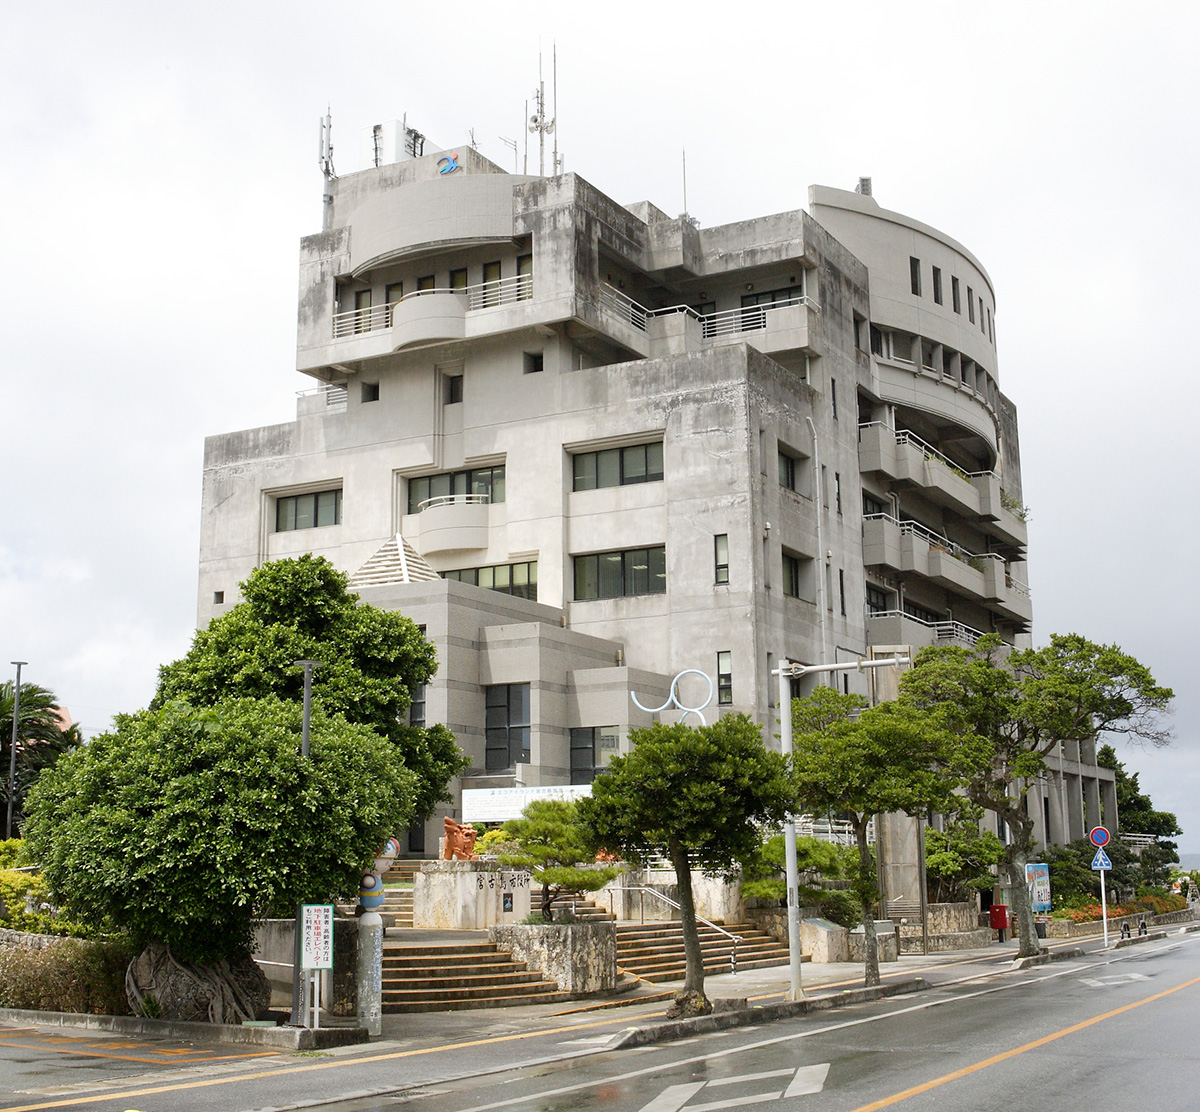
654, 951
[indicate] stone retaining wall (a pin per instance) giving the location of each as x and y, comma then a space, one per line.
581, 958
27, 941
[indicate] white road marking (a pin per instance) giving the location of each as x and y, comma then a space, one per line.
806, 1079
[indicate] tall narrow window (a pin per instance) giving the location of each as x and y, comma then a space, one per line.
458, 279
724, 679
955, 296
506, 725
362, 310
837, 490
842, 590
914, 275
982, 322
970, 305
491, 283
454, 389
833, 396
392, 293
937, 285
525, 277
721, 557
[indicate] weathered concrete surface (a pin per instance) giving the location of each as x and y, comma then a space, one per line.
469, 895
715, 899
580, 957
823, 940
889, 942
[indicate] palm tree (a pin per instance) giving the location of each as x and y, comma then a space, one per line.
42, 737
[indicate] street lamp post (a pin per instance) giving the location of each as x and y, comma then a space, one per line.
300, 985
12, 756
786, 673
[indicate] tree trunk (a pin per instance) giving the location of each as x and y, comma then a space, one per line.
690, 1000
866, 893
547, 904
1017, 855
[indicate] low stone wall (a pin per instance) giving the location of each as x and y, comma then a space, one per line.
469, 895
823, 940
581, 958
947, 942
888, 942
1064, 928
716, 900
28, 941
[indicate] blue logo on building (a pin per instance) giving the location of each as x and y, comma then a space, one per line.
447, 164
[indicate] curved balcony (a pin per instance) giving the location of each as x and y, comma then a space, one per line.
453, 522
428, 317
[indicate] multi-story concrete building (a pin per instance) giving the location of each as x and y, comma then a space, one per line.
588, 446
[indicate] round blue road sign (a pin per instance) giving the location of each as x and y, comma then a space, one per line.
1099, 836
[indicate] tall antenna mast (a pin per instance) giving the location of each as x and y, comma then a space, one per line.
538, 121
554, 86
325, 161
685, 208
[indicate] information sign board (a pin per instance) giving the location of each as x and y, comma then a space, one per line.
1037, 877
317, 938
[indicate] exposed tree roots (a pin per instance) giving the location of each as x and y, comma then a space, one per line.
158, 984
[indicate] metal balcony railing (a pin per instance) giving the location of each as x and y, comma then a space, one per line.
454, 500
484, 295
903, 436
335, 396
937, 541
954, 632
712, 325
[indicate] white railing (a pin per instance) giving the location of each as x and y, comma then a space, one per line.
727, 322
943, 631
454, 500
937, 541
733, 938
334, 395
484, 295
839, 832
746, 319
903, 436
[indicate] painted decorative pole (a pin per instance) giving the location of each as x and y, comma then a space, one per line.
369, 981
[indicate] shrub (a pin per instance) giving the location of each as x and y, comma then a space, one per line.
12, 853
68, 976
24, 907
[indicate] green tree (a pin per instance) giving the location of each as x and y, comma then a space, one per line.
885, 759
1007, 715
42, 737
551, 842
372, 661
184, 825
697, 794
960, 857
817, 862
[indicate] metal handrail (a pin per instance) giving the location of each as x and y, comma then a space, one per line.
454, 500
916, 529
725, 323
734, 938
944, 631
903, 436
482, 295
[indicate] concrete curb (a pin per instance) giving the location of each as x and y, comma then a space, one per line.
1046, 956
765, 1013
285, 1038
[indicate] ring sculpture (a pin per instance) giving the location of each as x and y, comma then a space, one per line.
673, 697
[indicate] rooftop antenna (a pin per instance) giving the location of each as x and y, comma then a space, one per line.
554, 87
538, 121
685, 208
325, 161
526, 168
471, 133
511, 144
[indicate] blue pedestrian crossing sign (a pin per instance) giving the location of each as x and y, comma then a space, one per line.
1101, 861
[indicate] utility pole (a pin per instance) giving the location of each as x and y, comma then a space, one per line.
12, 756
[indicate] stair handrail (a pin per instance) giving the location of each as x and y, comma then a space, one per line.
734, 938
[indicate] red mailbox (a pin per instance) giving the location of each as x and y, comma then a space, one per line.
998, 917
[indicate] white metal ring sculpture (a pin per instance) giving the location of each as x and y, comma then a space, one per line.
673, 697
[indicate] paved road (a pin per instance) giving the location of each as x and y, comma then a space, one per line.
840, 1060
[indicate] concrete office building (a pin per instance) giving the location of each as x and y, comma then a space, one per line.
587, 446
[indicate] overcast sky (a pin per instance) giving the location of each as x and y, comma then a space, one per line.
160, 167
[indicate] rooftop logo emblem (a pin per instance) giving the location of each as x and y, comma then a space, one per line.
448, 163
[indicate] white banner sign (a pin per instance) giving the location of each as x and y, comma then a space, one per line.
317, 940
502, 804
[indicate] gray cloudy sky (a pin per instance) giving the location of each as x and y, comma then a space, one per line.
160, 167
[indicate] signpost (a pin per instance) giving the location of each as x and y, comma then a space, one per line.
317, 949
1037, 878
1100, 838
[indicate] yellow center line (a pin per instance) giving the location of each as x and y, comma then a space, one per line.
896, 1098
133, 1057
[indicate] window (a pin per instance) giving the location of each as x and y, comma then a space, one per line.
982, 322
392, 293
876, 341
453, 385
937, 285
370, 392
640, 463
532, 362
592, 747
218, 598
872, 505
833, 396
308, 511
458, 279
416, 838
509, 579
524, 271
991, 338
506, 725
842, 591
878, 600
970, 305
724, 679
799, 580
755, 305
837, 490
787, 471
721, 557
429, 282
914, 275
491, 282
416, 709
921, 613
902, 347
488, 481
635, 571
954, 294
362, 310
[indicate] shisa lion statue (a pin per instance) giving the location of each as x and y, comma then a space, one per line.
370, 889
459, 843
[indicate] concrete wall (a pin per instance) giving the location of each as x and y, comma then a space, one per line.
469, 895
581, 958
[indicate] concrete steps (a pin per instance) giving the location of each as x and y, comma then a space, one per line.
654, 951
583, 908
419, 977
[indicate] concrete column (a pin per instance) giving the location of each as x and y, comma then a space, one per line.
1108, 789
1075, 826
1054, 793
1037, 811
1091, 795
